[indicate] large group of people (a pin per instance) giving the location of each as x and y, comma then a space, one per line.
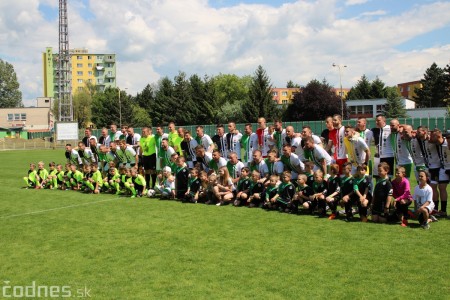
270, 167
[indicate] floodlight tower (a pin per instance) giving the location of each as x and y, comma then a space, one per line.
63, 71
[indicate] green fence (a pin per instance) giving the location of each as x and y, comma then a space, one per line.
316, 126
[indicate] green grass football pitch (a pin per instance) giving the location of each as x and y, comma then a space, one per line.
121, 248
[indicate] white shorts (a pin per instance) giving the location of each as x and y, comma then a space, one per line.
430, 207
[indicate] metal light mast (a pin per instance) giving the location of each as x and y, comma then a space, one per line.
63, 71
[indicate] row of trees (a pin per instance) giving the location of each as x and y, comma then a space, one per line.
184, 100
211, 100
218, 99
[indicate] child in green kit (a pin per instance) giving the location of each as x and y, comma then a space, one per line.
31, 179
95, 182
50, 182
76, 179
67, 177
59, 177
111, 181
42, 174
136, 184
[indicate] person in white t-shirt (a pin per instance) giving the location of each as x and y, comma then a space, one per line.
423, 199
295, 142
203, 139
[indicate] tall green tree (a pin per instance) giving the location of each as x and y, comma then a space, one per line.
315, 101
231, 88
394, 106
140, 117
290, 85
362, 90
378, 89
146, 98
106, 107
200, 95
162, 112
10, 95
184, 108
260, 102
447, 83
82, 107
434, 91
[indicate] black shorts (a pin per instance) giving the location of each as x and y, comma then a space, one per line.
438, 175
149, 162
378, 208
390, 162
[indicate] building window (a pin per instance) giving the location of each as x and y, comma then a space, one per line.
23, 117
380, 108
79, 57
79, 65
90, 73
89, 80
108, 65
99, 57
401, 89
16, 117
80, 73
89, 57
10, 117
89, 65
284, 93
284, 101
408, 88
100, 80
275, 94
100, 73
80, 80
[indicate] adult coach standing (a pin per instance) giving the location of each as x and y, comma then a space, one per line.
148, 152
381, 136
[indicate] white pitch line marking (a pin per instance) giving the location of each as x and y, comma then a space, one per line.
56, 208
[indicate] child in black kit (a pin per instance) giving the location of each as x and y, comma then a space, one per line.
193, 187
347, 190
334, 190
320, 193
303, 195
285, 194
256, 190
362, 187
181, 178
271, 191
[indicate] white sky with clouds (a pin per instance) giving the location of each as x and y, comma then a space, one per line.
293, 40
